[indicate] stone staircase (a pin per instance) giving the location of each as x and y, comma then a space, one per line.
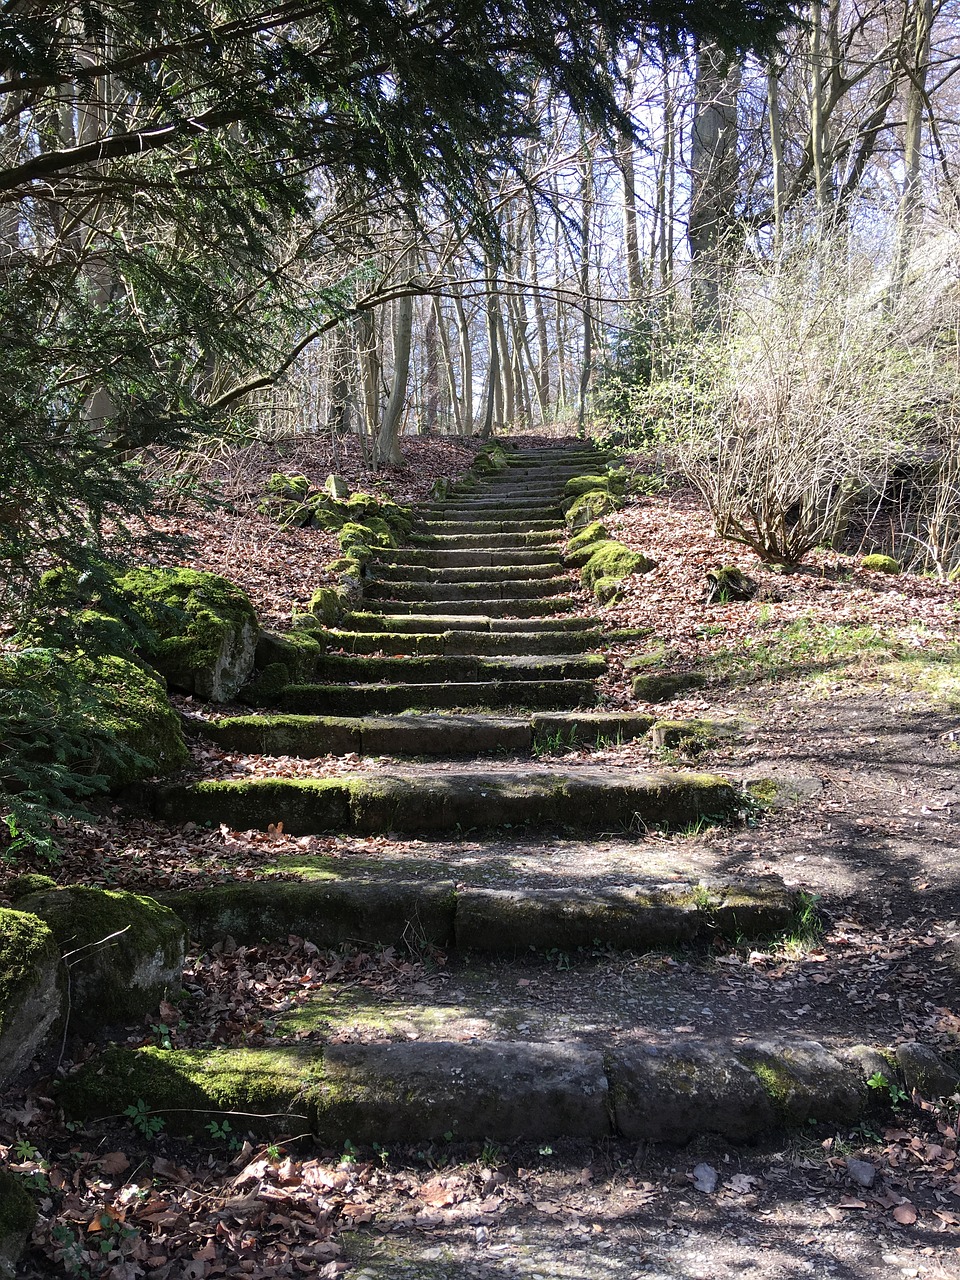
468, 643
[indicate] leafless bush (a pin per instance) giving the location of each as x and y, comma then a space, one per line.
816, 385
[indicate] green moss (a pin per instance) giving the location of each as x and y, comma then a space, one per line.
206, 628
27, 946
588, 507
119, 979
17, 1211
327, 513
729, 583
612, 562
125, 726
766, 791
295, 649
325, 605
660, 688
265, 690
609, 482
776, 1081
595, 532
881, 564
20, 886
186, 1086
135, 712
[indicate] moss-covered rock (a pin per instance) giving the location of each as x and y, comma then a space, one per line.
611, 562
124, 728
663, 687
17, 1216
612, 482
283, 486
595, 532
729, 583
692, 737
124, 951
206, 629
267, 686
30, 1000
136, 714
588, 507
325, 605
20, 886
336, 486
297, 650
881, 564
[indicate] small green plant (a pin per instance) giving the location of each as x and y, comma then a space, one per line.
221, 1130
273, 1153
559, 959
25, 1150
349, 1152
142, 1120
382, 1153
491, 1155
896, 1094
546, 1151
163, 1035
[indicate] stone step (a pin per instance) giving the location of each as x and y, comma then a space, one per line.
383, 570
481, 558
361, 699
461, 668
663, 1088
464, 540
503, 589
494, 642
439, 622
449, 736
522, 486
463, 511
342, 902
504, 609
449, 803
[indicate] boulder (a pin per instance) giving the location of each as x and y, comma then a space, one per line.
924, 1070
30, 1002
336, 486
124, 952
205, 627
17, 1216
881, 564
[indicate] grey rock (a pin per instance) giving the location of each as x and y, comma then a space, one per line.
500, 920
670, 1093
123, 951
925, 1071
705, 1178
336, 486
30, 999
805, 1081
863, 1173
489, 1089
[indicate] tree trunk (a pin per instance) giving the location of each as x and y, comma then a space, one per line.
714, 176
386, 450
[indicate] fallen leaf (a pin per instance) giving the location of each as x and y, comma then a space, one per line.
905, 1214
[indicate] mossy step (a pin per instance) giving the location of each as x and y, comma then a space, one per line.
480, 558
387, 571
361, 699
421, 735
385, 910
462, 667
464, 641
437, 622
538, 607
501, 589
485, 541
457, 530
586, 799
525, 515
661, 1089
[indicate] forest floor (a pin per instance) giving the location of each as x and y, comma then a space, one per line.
846, 684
